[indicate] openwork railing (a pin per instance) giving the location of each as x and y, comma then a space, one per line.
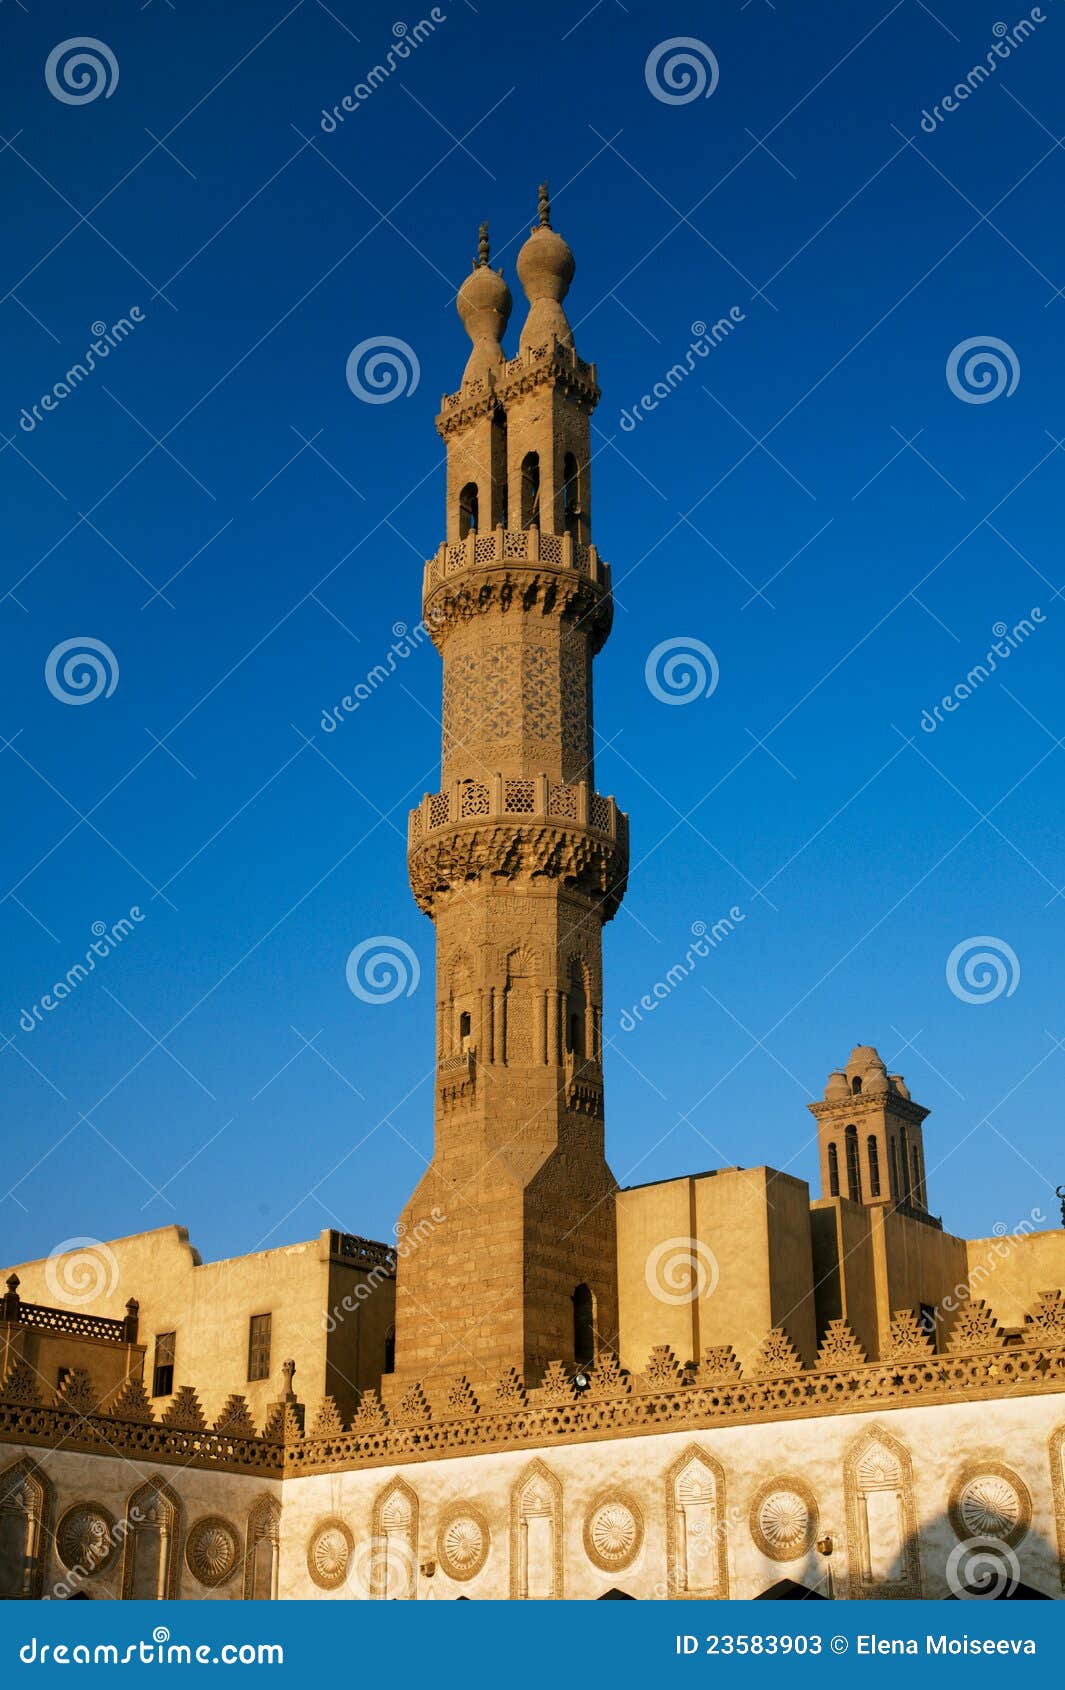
533, 796
44, 1318
362, 1252
498, 547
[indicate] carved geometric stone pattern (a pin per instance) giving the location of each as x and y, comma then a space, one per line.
990, 1500
613, 1531
212, 1551
328, 1554
784, 1518
85, 1537
462, 1541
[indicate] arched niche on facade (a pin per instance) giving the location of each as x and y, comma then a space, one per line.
151, 1551
262, 1551
696, 1550
536, 1548
26, 1507
394, 1561
882, 1547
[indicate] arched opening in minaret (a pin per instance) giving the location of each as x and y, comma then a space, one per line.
530, 490
468, 510
874, 1166
583, 1326
833, 1171
917, 1180
571, 495
854, 1172
465, 1031
895, 1172
390, 1350
577, 1013
856, 1084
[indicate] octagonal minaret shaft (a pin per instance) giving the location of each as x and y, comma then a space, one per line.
518, 862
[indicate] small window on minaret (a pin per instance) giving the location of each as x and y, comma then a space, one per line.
576, 1034
465, 1029
856, 1084
468, 510
571, 494
874, 1166
854, 1172
583, 1327
833, 1171
390, 1350
530, 490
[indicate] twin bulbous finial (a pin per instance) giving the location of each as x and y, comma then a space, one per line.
545, 269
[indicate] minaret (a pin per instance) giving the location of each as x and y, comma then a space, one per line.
518, 862
870, 1136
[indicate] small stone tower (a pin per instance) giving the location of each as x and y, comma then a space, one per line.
518, 861
870, 1137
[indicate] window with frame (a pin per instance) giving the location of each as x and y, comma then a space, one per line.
163, 1371
259, 1347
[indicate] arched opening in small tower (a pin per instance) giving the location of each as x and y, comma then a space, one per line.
854, 1172
874, 1165
856, 1084
571, 496
583, 1326
390, 1350
530, 490
917, 1181
833, 1171
468, 510
895, 1181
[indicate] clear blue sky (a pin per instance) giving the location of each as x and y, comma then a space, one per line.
770, 508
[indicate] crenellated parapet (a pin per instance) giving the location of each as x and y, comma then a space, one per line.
981, 1364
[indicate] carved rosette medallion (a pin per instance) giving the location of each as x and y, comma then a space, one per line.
990, 1500
329, 1554
212, 1551
463, 1541
784, 1518
613, 1531
85, 1538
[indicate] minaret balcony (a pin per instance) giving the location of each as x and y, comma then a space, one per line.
500, 548
530, 797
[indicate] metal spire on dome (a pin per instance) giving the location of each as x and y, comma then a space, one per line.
545, 207
483, 249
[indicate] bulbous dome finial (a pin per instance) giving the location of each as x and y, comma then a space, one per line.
545, 269
484, 304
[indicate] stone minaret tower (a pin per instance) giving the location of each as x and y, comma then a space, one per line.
518, 861
871, 1139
